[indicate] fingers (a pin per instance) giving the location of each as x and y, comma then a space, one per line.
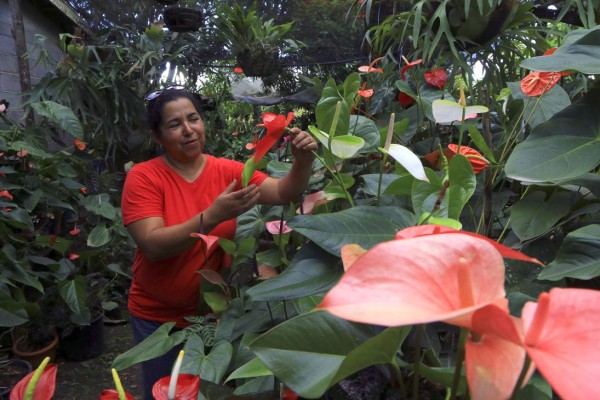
303, 141
231, 187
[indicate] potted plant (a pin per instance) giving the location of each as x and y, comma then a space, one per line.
45, 212
256, 44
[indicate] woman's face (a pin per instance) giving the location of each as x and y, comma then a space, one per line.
181, 130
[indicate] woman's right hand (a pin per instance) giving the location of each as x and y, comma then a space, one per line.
232, 203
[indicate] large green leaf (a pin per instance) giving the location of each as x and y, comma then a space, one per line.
325, 108
99, 204
11, 312
539, 110
534, 214
63, 116
74, 293
366, 129
252, 369
462, 184
99, 236
578, 256
562, 148
212, 366
155, 345
581, 52
312, 271
313, 351
363, 225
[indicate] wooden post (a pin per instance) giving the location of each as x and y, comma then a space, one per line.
18, 32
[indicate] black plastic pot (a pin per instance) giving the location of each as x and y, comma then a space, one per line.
84, 342
21, 369
182, 19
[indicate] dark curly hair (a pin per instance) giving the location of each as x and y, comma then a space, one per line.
154, 107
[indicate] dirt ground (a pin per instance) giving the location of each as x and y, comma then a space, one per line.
85, 380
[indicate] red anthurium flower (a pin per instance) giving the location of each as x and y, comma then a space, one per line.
426, 230
405, 100
6, 193
561, 338
112, 394
80, 144
408, 66
398, 282
477, 161
238, 70
538, 83
53, 240
277, 227
370, 67
550, 51
276, 125
22, 153
289, 394
44, 390
436, 77
188, 386
75, 231
83, 190
73, 256
366, 93
251, 146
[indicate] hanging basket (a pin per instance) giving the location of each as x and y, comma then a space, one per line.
259, 63
182, 19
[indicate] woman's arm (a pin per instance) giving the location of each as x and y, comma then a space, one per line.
290, 187
158, 242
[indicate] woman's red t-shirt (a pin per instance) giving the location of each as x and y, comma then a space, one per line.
168, 290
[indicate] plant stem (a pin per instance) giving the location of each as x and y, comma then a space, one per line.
337, 178
460, 358
399, 378
417, 372
522, 376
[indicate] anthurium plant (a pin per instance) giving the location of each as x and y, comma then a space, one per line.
443, 247
57, 229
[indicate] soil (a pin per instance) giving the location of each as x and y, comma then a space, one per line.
85, 380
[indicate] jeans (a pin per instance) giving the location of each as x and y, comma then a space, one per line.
156, 368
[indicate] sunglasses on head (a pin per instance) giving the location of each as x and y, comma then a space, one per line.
153, 95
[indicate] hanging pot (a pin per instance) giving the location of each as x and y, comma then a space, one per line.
182, 19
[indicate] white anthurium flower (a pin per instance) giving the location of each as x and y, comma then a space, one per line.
408, 160
448, 111
344, 147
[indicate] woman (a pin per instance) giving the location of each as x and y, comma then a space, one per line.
183, 191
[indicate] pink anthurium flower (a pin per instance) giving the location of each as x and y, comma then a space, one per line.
81, 145
398, 282
277, 227
45, 386
366, 93
425, 230
75, 231
494, 354
312, 200
370, 67
561, 338
6, 193
238, 70
408, 66
350, 253
22, 153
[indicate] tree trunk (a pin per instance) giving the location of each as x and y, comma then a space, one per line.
18, 32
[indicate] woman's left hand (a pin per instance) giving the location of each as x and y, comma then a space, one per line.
303, 145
